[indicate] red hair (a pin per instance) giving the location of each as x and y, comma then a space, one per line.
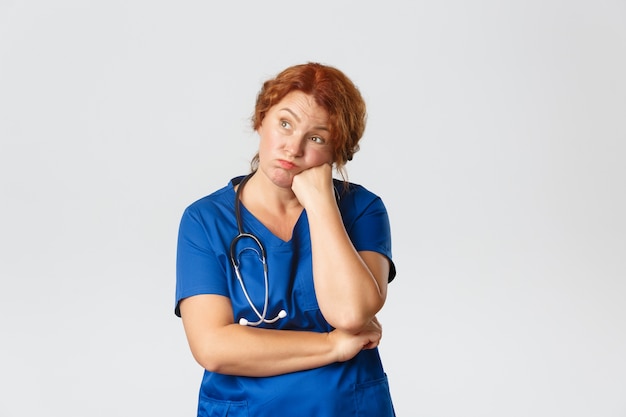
332, 90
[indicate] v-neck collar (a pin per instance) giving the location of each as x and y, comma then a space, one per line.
249, 220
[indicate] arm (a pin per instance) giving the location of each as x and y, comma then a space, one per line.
351, 286
220, 345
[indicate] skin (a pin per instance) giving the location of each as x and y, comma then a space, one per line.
295, 173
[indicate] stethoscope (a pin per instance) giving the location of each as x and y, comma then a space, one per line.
261, 254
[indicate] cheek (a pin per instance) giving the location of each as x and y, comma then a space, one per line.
321, 157
265, 138
270, 136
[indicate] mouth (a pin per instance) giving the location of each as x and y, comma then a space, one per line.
286, 164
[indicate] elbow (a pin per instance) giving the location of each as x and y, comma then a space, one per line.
351, 322
206, 360
209, 362
352, 327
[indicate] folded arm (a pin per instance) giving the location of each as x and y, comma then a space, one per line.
220, 345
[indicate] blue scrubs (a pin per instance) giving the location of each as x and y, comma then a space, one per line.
357, 387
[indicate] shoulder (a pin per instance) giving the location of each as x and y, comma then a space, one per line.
350, 194
219, 201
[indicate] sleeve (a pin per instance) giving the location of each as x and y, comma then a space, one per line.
371, 230
198, 267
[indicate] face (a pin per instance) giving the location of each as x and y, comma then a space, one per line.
294, 136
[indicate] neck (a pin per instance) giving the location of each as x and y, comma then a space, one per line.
277, 208
261, 192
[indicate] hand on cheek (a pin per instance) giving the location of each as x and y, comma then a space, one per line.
313, 184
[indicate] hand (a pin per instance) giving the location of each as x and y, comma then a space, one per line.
347, 345
314, 185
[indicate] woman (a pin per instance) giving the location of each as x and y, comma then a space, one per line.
280, 307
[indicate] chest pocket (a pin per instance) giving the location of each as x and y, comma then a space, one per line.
304, 287
305, 292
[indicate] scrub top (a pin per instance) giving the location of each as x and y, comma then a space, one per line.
357, 387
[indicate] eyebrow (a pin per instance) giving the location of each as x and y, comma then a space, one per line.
298, 119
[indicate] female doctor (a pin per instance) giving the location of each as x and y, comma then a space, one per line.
280, 273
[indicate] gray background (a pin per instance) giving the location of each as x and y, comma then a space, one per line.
496, 138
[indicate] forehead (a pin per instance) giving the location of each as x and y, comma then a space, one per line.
302, 106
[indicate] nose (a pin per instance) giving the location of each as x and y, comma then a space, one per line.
294, 145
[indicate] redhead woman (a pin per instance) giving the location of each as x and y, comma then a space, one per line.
280, 273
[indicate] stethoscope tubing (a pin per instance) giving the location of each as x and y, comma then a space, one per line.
262, 316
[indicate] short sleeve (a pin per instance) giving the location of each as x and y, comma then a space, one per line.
199, 269
370, 229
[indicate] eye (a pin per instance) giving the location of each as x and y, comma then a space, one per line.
318, 139
285, 124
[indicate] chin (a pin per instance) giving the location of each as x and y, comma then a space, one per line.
282, 178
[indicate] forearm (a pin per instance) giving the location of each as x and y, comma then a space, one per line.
347, 291
248, 351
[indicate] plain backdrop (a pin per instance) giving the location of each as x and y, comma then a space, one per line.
496, 138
